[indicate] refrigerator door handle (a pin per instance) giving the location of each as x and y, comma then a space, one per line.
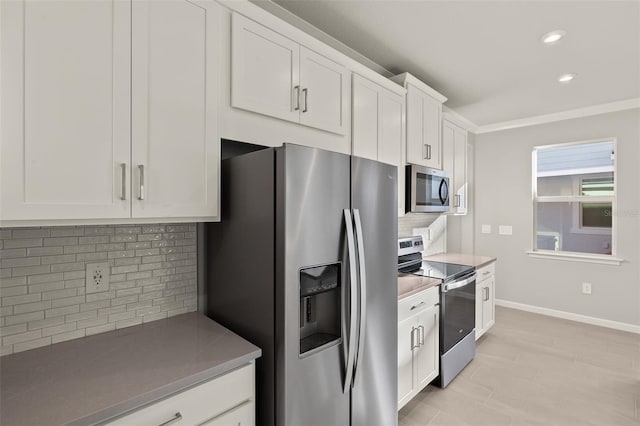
363, 294
353, 278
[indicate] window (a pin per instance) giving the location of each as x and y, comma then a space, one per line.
574, 198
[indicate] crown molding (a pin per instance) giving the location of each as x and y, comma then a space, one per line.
560, 116
452, 116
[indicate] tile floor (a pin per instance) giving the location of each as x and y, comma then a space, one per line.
536, 370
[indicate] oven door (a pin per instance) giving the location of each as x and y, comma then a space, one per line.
457, 311
428, 190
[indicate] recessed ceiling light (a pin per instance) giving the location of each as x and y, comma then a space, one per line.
565, 78
553, 37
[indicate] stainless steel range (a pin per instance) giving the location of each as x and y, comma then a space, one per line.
457, 305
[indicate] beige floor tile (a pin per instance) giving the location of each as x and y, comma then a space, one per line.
536, 370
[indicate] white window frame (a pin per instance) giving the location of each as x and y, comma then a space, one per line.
576, 225
566, 255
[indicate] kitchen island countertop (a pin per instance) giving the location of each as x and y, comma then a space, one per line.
92, 379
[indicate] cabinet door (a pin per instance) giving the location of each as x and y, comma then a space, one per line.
432, 110
264, 70
239, 416
323, 94
416, 146
488, 303
405, 360
364, 121
65, 109
391, 141
175, 147
460, 170
448, 158
427, 356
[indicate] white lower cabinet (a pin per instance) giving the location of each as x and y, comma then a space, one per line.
226, 400
485, 299
418, 343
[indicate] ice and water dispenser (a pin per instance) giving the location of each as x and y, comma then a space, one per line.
320, 306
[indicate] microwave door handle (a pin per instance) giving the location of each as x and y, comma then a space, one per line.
443, 183
363, 296
353, 285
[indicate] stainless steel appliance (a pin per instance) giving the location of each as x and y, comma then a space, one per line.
302, 264
457, 305
427, 190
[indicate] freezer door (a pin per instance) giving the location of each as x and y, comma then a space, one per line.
374, 397
312, 188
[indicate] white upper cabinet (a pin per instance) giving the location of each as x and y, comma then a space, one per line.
378, 126
175, 149
277, 77
424, 116
454, 146
65, 110
82, 122
265, 70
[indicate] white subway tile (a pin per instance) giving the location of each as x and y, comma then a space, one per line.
12, 282
61, 241
95, 305
21, 337
13, 291
67, 301
13, 329
128, 323
25, 298
31, 344
74, 231
64, 328
66, 267
99, 329
66, 310
19, 261
27, 242
44, 251
50, 322
17, 319
92, 322
59, 294
98, 239
31, 233
63, 337
13, 253
44, 278
84, 257
84, 248
81, 316
154, 317
31, 307
60, 258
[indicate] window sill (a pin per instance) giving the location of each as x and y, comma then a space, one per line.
576, 257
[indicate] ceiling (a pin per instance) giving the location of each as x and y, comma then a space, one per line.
486, 56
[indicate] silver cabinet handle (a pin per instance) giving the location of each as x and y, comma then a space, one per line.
416, 306
141, 194
486, 272
305, 92
486, 292
428, 152
425, 151
176, 418
456, 201
421, 328
415, 340
353, 281
296, 97
123, 190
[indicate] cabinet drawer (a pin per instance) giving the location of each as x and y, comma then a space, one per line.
198, 404
486, 271
417, 302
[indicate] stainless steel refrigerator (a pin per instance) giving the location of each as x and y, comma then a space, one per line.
303, 264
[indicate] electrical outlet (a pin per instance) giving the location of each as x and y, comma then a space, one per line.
486, 229
97, 277
586, 288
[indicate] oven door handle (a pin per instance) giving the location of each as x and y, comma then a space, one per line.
409, 263
458, 284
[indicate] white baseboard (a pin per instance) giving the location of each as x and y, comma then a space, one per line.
570, 316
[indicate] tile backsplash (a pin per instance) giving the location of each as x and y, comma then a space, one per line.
153, 275
408, 222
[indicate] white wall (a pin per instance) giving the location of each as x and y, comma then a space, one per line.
503, 197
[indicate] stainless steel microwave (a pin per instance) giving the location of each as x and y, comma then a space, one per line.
427, 190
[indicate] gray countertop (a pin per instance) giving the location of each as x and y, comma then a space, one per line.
92, 379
